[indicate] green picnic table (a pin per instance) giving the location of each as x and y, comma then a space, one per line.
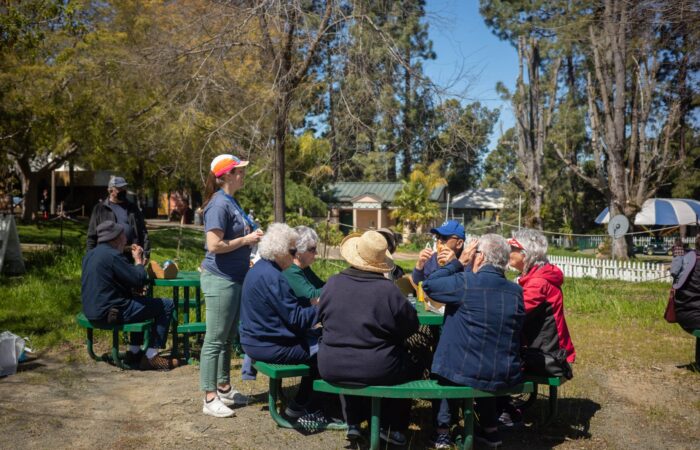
428, 317
185, 280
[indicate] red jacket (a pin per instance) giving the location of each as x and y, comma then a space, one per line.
545, 325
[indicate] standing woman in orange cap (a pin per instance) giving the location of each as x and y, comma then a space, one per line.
229, 236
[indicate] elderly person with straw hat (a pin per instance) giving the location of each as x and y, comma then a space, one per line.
275, 326
365, 322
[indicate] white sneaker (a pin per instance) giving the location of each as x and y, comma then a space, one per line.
233, 398
216, 408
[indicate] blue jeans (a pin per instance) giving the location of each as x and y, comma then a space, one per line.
158, 309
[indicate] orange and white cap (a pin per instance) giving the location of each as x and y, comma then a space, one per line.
223, 164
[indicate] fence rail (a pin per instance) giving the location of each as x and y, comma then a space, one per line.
576, 267
587, 242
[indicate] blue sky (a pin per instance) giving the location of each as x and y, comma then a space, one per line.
470, 59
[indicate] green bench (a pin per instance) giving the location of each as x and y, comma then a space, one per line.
553, 383
424, 389
187, 329
116, 357
276, 373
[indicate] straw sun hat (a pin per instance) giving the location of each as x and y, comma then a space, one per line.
367, 252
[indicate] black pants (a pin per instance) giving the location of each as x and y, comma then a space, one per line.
487, 410
396, 412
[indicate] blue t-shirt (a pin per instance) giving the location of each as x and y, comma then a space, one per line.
221, 214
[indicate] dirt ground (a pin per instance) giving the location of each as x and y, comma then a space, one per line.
64, 400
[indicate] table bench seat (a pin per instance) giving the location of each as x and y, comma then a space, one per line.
424, 389
116, 357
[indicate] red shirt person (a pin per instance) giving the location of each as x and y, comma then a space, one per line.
545, 324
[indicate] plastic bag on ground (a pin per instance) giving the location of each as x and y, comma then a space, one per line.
11, 347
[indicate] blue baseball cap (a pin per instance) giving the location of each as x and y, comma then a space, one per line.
450, 228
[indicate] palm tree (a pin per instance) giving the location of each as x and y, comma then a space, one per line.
414, 207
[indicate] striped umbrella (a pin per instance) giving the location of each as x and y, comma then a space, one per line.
663, 211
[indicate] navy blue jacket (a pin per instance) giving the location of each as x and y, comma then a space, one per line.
270, 313
365, 320
484, 313
108, 280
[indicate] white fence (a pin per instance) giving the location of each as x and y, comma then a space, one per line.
584, 242
610, 269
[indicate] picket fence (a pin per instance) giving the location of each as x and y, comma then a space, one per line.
609, 269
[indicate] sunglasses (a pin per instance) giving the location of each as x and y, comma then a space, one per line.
311, 250
445, 238
293, 251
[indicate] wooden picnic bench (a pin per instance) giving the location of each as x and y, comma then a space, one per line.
116, 357
424, 389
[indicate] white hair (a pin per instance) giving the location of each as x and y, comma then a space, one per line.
275, 242
535, 246
495, 249
307, 238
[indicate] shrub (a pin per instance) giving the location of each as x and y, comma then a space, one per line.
329, 234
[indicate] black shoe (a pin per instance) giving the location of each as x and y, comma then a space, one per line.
133, 359
312, 421
491, 439
353, 433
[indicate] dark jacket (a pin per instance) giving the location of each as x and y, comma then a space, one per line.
107, 281
545, 325
270, 313
365, 322
102, 212
480, 341
682, 267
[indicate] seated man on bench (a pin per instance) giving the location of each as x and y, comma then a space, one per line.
480, 342
108, 285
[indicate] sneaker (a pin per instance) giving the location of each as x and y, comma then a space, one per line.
508, 420
312, 421
392, 437
490, 439
353, 433
158, 363
294, 410
232, 398
216, 408
442, 440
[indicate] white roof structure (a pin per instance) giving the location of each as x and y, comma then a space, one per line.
483, 199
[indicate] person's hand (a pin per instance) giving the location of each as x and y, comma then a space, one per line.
467, 256
423, 256
253, 238
137, 253
446, 255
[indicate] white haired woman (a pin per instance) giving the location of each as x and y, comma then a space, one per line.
274, 325
229, 236
304, 282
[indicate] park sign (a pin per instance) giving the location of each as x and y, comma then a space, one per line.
10, 252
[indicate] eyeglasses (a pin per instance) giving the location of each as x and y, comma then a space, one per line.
293, 251
444, 239
312, 250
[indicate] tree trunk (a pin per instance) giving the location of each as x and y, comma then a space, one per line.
278, 175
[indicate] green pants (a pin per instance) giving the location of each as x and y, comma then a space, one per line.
223, 307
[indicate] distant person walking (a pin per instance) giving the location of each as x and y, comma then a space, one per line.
229, 236
118, 209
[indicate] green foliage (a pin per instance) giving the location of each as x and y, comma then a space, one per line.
329, 234
413, 204
295, 220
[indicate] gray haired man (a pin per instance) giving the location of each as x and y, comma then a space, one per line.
117, 208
